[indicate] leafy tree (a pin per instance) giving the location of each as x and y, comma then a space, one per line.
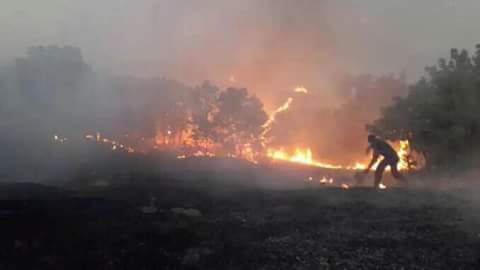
203, 107
226, 119
441, 114
240, 118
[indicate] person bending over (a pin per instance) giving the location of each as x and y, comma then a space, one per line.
390, 158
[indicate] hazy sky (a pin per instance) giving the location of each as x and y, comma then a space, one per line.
272, 39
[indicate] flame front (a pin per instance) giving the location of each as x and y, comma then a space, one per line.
305, 156
301, 156
181, 141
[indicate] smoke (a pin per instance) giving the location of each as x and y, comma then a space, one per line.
266, 46
163, 48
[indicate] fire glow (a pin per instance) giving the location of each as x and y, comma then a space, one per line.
181, 142
304, 156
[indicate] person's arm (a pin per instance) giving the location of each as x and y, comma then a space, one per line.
374, 159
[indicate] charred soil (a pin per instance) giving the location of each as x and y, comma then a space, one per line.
178, 225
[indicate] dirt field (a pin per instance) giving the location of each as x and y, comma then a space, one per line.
206, 226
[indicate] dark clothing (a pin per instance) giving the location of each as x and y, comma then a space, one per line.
382, 148
381, 168
390, 158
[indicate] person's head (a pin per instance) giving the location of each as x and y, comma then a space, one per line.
372, 138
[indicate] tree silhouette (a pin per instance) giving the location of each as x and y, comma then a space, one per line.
441, 114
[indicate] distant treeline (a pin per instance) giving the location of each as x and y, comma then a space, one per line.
52, 90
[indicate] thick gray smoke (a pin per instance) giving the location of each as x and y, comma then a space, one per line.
268, 46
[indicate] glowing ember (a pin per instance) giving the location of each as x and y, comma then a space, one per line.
203, 154
345, 186
324, 180
59, 139
301, 89
98, 138
382, 186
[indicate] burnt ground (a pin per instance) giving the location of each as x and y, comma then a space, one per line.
230, 227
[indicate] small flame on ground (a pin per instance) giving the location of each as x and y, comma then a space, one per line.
302, 156
114, 144
345, 186
59, 139
324, 180
382, 186
301, 89
203, 154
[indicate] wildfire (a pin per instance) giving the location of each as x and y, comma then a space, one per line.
305, 156
182, 141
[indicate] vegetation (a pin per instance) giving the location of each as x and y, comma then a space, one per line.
53, 91
441, 114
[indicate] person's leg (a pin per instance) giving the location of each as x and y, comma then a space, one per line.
395, 173
379, 172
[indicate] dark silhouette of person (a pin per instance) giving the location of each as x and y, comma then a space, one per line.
390, 158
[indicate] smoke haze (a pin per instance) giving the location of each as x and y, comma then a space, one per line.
267, 46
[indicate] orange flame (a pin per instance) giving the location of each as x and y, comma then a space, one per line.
301, 89
305, 156
280, 109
